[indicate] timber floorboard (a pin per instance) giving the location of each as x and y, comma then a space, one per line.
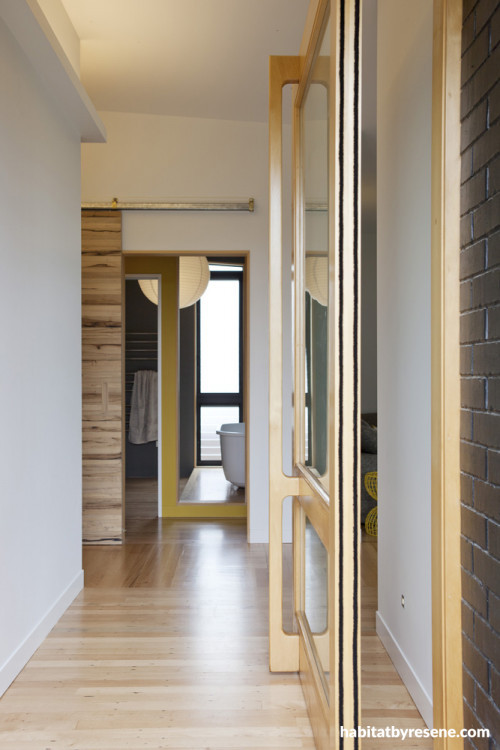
385, 701
167, 647
207, 484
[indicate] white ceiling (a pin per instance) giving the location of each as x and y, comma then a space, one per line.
193, 58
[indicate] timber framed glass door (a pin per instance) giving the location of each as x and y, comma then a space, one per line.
325, 645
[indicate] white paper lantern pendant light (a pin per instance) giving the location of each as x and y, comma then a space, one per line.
317, 278
194, 275
149, 288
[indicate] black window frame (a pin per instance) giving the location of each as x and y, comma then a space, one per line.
220, 399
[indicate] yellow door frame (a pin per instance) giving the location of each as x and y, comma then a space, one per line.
165, 264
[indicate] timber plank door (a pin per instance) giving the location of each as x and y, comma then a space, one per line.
324, 643
102, 379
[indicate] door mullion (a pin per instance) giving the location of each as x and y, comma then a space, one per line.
344, 351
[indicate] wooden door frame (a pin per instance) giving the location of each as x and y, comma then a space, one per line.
445, 383
445, 372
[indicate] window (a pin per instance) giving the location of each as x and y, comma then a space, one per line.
219, 397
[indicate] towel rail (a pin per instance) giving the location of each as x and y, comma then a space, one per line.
141, 353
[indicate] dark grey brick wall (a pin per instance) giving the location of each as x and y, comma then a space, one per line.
480, 367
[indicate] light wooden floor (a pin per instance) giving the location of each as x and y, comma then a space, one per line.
385, 701
207, 484
167, 647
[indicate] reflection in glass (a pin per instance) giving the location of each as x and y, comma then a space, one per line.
315, 128
288, 607
287, 283
316, 384
316, 593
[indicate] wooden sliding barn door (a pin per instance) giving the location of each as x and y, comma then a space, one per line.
102, 351
324, 644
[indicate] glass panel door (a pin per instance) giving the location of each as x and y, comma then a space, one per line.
325, 270
315, 334
313, 247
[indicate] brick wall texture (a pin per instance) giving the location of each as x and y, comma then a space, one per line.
480, 367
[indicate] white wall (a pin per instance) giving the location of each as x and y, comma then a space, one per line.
40, 391
404, 389
159, 157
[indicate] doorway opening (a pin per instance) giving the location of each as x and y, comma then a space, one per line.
142, 399
201, 356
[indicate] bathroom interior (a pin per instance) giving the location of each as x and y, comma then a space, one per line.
208, 333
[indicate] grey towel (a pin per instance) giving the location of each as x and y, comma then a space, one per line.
143, 427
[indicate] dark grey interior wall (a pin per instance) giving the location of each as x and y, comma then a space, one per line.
141, 353
187, 328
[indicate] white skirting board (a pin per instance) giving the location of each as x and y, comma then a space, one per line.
420, 696
11, 668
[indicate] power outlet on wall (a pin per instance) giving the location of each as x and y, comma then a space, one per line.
403, 600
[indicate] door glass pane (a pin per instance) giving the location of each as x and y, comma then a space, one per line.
211, 418
220, 337
316, 249
288, 604
316, 593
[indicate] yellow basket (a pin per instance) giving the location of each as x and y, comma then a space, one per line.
371, 483
371, 520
